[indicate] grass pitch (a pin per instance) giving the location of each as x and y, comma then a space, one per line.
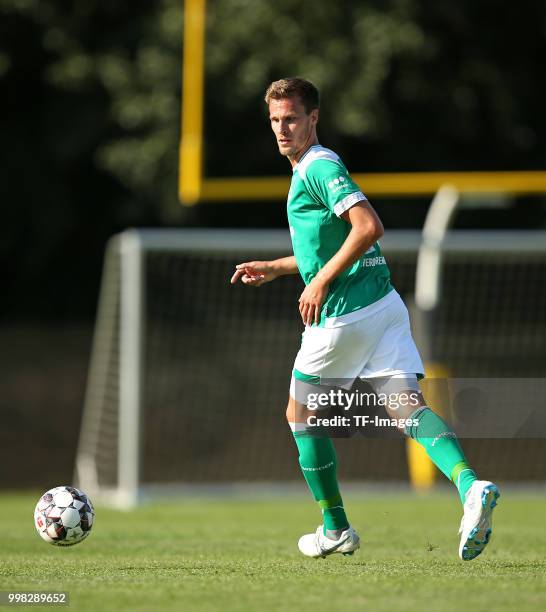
222, 554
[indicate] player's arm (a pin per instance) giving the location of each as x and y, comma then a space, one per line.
366, 229
256, 273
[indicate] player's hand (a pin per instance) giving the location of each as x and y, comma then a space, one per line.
254, 273
311, 301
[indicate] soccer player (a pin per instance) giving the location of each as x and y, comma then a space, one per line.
356, 325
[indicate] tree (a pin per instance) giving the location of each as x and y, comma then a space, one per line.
91, 90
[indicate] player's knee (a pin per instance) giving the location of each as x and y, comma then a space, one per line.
295, 412
289, 412
403, 405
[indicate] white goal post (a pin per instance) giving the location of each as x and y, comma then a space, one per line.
121, 307
122, 412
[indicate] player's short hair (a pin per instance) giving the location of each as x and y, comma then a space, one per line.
292, 87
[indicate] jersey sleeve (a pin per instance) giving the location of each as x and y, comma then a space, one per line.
329, 182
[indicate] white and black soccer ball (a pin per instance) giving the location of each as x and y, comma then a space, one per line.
64, 516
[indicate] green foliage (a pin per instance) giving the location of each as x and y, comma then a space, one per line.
140, 73
346, 48
406, 85
126, 58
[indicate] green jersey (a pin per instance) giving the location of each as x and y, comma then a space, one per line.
320, 192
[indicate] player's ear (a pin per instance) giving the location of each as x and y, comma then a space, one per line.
314, 114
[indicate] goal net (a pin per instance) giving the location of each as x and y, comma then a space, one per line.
189, 375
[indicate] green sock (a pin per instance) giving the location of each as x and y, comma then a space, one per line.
463, 476
318, 463
443, 448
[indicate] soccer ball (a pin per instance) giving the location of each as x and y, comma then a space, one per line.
64, 516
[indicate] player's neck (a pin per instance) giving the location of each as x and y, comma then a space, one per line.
311, 142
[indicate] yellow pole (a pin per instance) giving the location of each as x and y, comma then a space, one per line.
193, 66
399, 184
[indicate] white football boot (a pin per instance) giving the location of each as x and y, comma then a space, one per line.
318, 545
476, 524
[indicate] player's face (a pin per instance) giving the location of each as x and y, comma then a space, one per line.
294, 129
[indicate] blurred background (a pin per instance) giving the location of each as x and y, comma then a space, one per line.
90, 123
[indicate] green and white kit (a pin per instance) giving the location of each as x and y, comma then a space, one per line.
320, 192
364, 332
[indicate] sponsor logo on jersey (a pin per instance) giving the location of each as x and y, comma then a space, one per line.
371, 262
337, 183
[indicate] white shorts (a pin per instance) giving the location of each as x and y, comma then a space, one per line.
380, 345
